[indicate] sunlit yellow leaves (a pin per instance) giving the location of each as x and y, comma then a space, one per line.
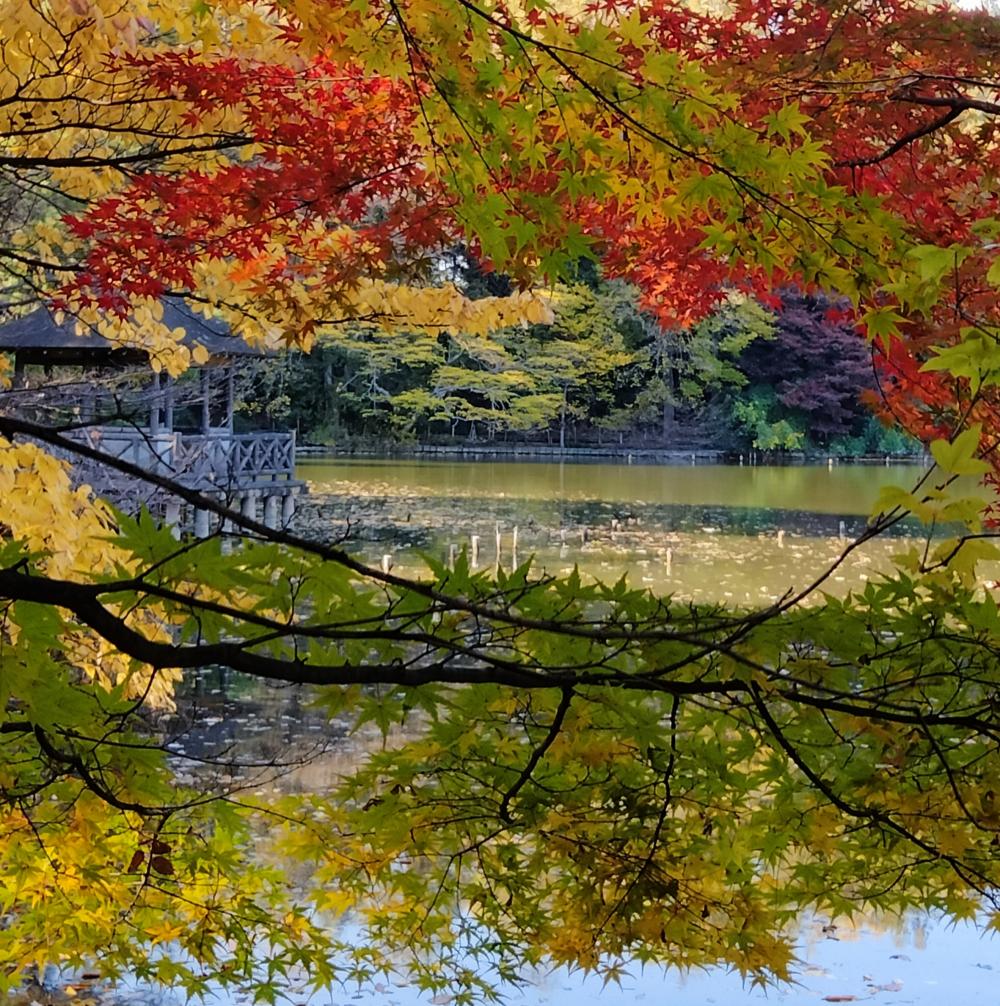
331, 900
65, 891
40, 508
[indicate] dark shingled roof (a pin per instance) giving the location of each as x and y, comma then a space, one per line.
39, 332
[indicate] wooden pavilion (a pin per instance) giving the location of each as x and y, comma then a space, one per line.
187, 437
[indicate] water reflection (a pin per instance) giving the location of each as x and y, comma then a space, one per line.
740, 535
737, 534
841, 489
915, 960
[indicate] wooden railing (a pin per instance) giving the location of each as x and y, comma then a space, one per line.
235, 460
220, 461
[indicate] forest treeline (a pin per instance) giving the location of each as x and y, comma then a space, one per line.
788, 376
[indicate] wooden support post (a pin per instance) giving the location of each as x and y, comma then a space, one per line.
271, 505
230, 396
172, 517
387, 563
206, 400
287, 509
154, 406
249, 506
474, 553
499, 549
669, 560
452, 555
513, 548
201, 524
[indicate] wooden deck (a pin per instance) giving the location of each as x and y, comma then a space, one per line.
240, 469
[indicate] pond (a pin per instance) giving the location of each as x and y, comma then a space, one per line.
738, 534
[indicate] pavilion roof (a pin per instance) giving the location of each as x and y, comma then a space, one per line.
38, 333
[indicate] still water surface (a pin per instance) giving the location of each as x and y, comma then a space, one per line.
710, 532
840, 489
742, 535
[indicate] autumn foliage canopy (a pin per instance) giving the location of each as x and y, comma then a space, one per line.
593, 775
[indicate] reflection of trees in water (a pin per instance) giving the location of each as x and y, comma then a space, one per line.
229, 729
416, 520
738, 554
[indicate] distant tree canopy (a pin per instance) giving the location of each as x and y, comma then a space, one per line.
790, 375
816, 365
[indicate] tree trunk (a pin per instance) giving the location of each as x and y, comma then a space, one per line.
562, 422
667, 422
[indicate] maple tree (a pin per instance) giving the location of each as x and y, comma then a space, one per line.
814, 369
598, 775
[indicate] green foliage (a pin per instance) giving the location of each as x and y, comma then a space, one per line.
875, 440
760, 417
519, 380
570, 773
710, 351
603, 365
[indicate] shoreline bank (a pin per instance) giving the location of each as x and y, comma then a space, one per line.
639, 455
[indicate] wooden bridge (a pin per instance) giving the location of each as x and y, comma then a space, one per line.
252, 472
